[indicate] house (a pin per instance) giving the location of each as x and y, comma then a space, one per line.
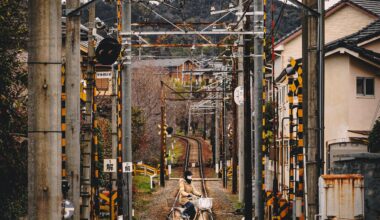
352, 78
177, 68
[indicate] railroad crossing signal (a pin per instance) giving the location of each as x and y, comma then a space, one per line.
107, 51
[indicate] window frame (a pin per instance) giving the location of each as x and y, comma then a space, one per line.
364, 94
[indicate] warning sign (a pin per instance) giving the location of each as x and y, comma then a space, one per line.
109, 166
127, 167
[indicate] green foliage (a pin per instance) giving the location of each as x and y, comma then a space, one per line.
142, 184
374, 138
13, 126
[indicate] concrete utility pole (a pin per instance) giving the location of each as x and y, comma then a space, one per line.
312, 52
247, 121
163, 138
72, 83
87, 148
234, 125
217, 139
126, 118
44, 110
224, 133
240, 118
258, 31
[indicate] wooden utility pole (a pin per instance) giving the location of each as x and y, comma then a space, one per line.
72, 85
126, 108
313, 99
88, 115
44, 110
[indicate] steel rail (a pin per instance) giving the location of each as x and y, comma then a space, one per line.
200, 160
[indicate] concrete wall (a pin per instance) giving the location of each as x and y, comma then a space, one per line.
369, 167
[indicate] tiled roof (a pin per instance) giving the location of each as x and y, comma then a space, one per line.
351, 42
370, 5
368, 32
364, 53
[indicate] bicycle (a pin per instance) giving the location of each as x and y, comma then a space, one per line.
203, 210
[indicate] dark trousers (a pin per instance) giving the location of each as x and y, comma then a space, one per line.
189, 210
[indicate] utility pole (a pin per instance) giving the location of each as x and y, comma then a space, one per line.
258, 31
44, 110
204, 125
72, 85
224, 127
240, 118
217, 139
114, 121
87, 149
312, 52
247, 119
163, 138
126, 119
234, 126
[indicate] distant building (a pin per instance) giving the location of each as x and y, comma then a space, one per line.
177, 68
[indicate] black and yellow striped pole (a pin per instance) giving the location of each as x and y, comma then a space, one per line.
291, 94
300, 186
95, 158
63, 138
265, 146
119, 100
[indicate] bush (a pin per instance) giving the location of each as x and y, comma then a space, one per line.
374, 138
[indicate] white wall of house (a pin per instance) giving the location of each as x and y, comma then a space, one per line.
344, 109
374, 45
345, 21
363, 110
337, 96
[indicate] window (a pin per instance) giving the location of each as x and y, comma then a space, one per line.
365, 86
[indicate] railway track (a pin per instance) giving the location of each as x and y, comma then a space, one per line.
193, 159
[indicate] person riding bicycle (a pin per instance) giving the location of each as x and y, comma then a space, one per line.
186, 191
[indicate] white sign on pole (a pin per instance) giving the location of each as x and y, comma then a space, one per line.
239, 95
127, 167
103, 75
216, 168
69, 209
109, 166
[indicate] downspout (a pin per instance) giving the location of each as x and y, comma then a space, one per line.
282, 145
